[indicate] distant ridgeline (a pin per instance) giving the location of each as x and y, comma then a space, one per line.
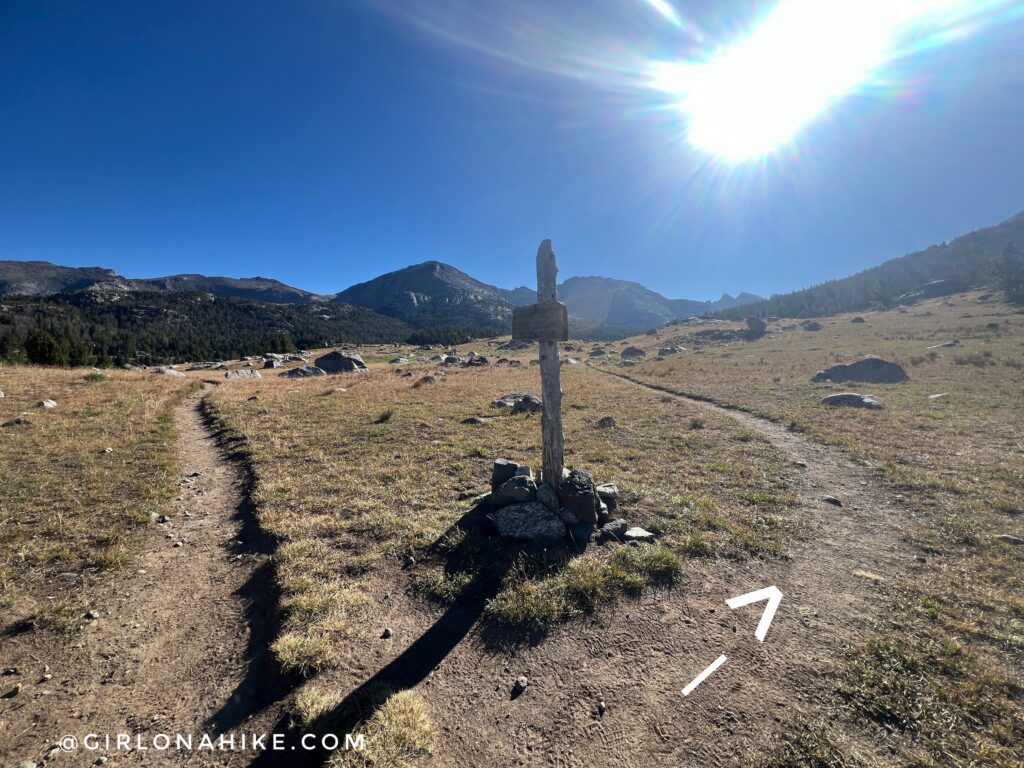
96, 328
991, 257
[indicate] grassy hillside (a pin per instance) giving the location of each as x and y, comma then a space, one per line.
973, 260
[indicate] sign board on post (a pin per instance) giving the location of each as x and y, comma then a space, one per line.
541, 322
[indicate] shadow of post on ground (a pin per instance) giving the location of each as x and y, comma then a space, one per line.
428, 651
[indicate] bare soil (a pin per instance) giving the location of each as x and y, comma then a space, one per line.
180, 642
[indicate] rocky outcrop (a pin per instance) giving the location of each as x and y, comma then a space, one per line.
340, 362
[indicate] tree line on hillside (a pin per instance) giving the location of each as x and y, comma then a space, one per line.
885, 285
113, 329
108, 329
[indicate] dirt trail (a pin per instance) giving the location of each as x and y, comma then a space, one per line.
180, 643
637, 655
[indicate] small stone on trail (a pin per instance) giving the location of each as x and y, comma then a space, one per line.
520, 685
12, 692
475, 421
19, 421
605, 422
638, 534
94, 614
601, 707
243, 374
46, 404
832, 500
177, 544
108, 450
386, 633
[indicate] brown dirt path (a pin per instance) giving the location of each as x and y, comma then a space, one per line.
637, 655
180, 642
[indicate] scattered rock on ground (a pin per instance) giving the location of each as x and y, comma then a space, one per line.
598, 353
1010, 539
340, 362
46, 404
606, 421
474, 421
811, 325
529, 521
17, 421
616, 528
168, 372
520, 685
665, 351
851, 400
528, 404
857, 319
247, 374
631, 353
756, 326
939, 396
832, 500
303, 372
870, 369
638, 534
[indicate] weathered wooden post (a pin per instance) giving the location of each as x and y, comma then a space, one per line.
547, 322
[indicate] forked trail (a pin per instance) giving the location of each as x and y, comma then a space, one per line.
833, 584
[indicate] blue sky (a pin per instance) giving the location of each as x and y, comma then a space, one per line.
323, 143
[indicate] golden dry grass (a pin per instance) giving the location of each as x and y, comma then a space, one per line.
397, 735
349, 495
68, 508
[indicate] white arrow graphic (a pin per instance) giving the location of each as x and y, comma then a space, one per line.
772, 595
774, 598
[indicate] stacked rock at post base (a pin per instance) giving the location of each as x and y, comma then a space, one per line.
578, 511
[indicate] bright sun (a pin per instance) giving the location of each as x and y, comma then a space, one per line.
756, 94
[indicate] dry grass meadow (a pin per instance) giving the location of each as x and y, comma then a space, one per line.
70, 510
354, 483
365, 483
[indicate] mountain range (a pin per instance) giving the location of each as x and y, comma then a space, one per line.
421, 295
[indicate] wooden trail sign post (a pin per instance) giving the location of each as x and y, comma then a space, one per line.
547, 323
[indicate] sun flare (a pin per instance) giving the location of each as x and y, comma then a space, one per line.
754, 95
